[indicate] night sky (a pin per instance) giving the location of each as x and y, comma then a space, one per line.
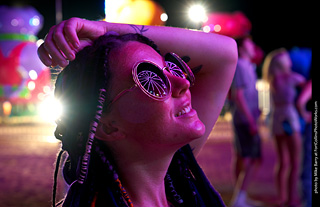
275, 23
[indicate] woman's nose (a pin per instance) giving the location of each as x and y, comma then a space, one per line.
179, 86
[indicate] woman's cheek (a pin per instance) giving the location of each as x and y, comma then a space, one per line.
139, 112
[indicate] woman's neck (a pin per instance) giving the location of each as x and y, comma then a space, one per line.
142, 171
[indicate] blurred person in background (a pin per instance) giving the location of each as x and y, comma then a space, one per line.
285, 123
246, 112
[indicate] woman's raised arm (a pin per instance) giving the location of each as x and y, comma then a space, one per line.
216, 55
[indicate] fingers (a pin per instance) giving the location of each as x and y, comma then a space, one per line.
50, 53
60, 44
44, 56
63, 40
71, 28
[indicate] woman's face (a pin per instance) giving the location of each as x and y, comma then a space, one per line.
169, 122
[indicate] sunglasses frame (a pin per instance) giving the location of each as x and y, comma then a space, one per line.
175, 59
164, 78
169, 57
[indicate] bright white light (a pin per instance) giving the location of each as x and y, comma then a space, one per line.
33, 74
263, 89
164, 17
31, 85
112, 8
50, 109
206, 29
197, 13
39, 42
126, 11
34, 21
51, 139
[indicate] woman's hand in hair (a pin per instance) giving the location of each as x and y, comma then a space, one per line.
65, 39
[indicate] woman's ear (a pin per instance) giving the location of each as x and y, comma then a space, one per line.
108, 132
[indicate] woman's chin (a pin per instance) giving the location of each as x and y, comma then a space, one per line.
199, 128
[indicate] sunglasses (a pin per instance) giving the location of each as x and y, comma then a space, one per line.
151, 79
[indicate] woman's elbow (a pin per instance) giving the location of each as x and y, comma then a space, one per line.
227, 55
232, 51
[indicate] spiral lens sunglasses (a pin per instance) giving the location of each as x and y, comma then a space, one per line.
151, 79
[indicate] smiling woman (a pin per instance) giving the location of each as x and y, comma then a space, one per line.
129, 125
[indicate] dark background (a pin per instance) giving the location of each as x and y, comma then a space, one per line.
275, 23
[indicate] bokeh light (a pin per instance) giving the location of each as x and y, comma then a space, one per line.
50, 109
6, 107
164, 17
31, 85
197, 13
217, 28
135, 12
33, 74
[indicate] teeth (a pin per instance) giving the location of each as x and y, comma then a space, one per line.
184, 111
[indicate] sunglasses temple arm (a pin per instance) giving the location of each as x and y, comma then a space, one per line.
121, 94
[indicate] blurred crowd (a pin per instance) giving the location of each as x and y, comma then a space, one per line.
286, 75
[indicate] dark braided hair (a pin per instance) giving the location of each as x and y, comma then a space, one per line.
81, 88
89, 168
